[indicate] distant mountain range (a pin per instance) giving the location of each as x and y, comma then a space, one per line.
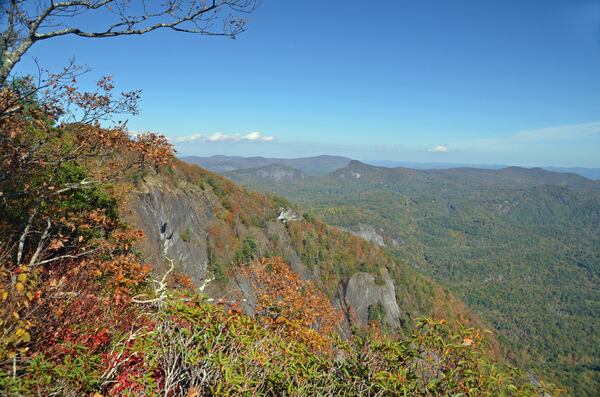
322, 165
442, 180
317, 166
590, 173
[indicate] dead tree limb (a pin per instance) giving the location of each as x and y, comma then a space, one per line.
27, 23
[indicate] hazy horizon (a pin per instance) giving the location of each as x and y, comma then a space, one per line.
587, 172
383, 161
470, 82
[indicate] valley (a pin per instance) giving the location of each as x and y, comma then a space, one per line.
521, 247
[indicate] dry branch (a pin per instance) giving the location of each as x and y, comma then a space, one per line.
27, 24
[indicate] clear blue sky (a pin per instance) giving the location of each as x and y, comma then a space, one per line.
512, 82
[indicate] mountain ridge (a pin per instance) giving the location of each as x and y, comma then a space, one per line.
514, 176
316, 165
224, 163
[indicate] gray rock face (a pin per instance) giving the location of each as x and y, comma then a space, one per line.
369, 233
376, 236
176, 221
246, 290
362, 295
175, 224
279, 173
397, 242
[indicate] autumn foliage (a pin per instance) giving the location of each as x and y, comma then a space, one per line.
68, 267
292, 307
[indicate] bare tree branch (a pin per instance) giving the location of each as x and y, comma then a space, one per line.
40, 245
24, 237
57, 258
122, 18
160, 291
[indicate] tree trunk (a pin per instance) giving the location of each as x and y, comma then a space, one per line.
5, 68
8, 60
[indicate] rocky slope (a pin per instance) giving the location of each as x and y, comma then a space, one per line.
209, 227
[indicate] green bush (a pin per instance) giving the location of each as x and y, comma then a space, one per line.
248, 251
199, 347
190, 347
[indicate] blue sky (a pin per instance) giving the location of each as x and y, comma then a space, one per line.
510, 82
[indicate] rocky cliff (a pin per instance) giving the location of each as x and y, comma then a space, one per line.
209, 226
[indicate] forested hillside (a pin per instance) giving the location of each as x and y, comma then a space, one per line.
520, 246
210, 226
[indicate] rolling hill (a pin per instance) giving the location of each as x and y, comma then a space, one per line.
586, 172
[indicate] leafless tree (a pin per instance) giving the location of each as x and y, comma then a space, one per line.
25, 22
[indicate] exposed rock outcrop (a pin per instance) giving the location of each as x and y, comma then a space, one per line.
369, 233
366, 298
278, 173
175, 223
288, 215
375, 235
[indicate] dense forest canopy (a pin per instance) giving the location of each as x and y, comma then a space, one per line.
521, 247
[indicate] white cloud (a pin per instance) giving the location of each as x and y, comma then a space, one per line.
188, 138
220, 137
257, 136
525, 138
559, 132
439, 149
